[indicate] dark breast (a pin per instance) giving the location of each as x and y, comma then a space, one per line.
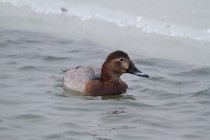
111, 87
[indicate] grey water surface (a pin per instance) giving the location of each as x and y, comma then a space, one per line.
172, 104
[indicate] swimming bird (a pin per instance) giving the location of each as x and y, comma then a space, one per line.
94, 81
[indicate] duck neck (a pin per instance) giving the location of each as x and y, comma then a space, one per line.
107, 73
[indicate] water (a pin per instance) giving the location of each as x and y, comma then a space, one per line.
40, 39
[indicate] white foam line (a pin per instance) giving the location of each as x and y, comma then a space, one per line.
118, 18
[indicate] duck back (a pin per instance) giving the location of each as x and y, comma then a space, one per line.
76, 78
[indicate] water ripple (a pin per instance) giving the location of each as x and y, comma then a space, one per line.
32, 68
202, 92
55, 58
195, 71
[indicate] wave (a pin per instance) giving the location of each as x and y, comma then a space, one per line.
31, 68
202, 92
121, 19
201, 71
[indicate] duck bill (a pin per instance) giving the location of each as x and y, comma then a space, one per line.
133, 70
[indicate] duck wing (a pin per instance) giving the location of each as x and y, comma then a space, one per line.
76, 78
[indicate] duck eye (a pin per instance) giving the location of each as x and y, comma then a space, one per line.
121, 59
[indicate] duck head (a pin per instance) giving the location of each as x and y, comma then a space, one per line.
118, 63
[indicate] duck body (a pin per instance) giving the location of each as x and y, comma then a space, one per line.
87, 80
95, 81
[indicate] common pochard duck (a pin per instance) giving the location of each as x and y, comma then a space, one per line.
94, 81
